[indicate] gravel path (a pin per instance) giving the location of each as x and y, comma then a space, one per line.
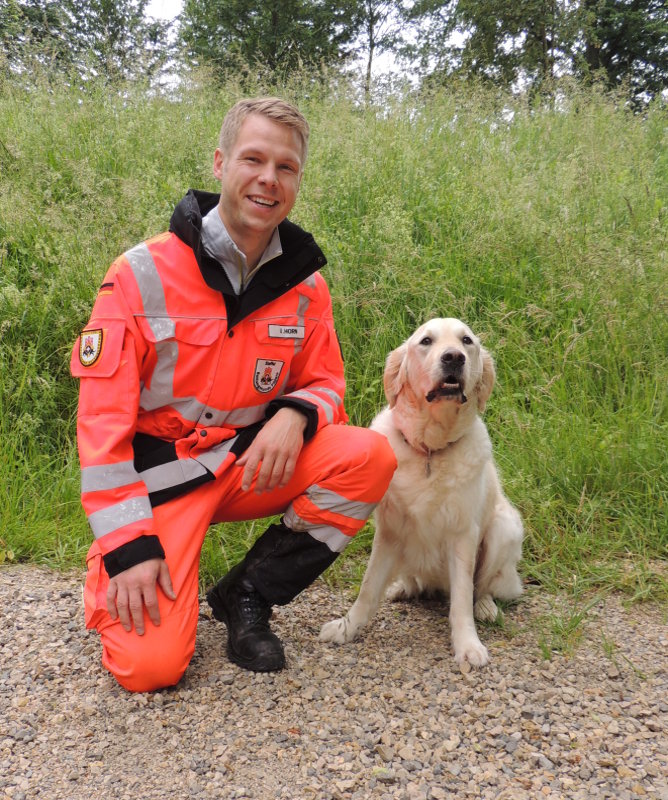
389, 716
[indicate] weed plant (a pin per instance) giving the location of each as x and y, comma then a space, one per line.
544, 228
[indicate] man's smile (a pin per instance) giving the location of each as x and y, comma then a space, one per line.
263, 201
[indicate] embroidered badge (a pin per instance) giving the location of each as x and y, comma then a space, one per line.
90, 346
267, 374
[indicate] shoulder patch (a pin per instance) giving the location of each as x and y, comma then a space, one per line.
90, 346
97, 352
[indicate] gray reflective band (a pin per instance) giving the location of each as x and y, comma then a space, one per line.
330, 501
309, 394
152, 293
118, 516
161, 392
213, 458
332, 537
108, 476
174, 473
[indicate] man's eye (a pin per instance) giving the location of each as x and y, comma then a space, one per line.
467, 340
426, 341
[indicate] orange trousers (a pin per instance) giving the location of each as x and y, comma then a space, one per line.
355, 463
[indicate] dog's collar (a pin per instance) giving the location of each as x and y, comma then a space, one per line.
427, 452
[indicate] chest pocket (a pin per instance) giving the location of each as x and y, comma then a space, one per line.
190, 330
183, 359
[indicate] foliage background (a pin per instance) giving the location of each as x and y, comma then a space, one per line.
544, 226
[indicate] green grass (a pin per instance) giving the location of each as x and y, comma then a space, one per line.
546, 229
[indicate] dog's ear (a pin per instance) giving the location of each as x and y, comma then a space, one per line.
486, 382
395, 374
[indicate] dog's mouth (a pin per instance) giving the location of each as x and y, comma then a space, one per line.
450, 388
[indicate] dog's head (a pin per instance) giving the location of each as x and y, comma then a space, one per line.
443, 361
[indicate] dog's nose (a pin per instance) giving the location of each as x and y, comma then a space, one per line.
453, 358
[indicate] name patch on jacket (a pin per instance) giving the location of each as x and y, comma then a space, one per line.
267, 374
90, 346
286, 331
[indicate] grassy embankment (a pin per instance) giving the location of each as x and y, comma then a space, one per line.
545, 230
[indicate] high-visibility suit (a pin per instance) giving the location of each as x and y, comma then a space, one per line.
178, 374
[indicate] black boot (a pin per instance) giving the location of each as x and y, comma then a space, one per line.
250, 642
276, 569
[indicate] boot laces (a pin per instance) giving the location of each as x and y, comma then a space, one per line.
253, 609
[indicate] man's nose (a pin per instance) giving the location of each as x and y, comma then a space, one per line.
269, 175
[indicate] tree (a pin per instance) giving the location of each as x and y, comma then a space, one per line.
536, 41
504, 41
107, 39
114, 40
273, 35
624, 41
379, 26
30, 31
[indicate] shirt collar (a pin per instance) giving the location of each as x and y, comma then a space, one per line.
218, 243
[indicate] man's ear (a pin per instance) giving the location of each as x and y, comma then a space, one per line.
395, 374
218, 159
486, 382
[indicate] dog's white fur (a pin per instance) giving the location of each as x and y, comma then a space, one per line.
444, 523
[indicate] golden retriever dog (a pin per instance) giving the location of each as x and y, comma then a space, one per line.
444, 523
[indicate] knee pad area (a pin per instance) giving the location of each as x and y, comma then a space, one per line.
153, 661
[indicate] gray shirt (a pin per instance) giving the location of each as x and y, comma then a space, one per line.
218, 243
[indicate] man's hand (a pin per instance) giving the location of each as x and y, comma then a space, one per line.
134, 588
275, 451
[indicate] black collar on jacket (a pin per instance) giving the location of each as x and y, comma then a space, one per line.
301, 257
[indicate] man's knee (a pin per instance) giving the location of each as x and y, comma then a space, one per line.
377, 460
153, 661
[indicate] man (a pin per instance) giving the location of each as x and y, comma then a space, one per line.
212, 390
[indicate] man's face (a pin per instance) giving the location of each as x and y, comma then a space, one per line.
260, 179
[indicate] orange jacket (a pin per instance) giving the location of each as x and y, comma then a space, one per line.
178, 374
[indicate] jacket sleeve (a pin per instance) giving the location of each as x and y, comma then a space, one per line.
106, 358
317, 384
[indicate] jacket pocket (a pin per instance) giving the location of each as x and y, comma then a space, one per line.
190, 330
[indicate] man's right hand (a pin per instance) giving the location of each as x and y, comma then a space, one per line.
134, 588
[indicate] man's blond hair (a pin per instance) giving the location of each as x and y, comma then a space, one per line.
271, 107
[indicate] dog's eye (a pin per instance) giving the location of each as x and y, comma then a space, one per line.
467, 340
426, 341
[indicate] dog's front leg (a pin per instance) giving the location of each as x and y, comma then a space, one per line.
379, 570
461, 564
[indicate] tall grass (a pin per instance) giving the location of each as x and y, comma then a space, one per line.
544, 228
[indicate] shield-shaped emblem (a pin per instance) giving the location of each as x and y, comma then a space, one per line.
267, 374
90, 346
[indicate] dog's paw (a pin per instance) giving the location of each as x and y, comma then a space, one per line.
338, 631
474, 652
485, 609
399, 590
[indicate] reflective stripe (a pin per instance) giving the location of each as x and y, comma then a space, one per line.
161, 392
152, 293
174, 473
108, 476
330, 501
119, 515
309, 394
213, 458
332, 537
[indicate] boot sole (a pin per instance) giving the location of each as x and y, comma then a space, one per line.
219, 613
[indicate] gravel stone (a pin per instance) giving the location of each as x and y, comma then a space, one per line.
388, 717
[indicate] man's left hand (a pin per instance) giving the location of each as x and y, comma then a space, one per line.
274, 451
